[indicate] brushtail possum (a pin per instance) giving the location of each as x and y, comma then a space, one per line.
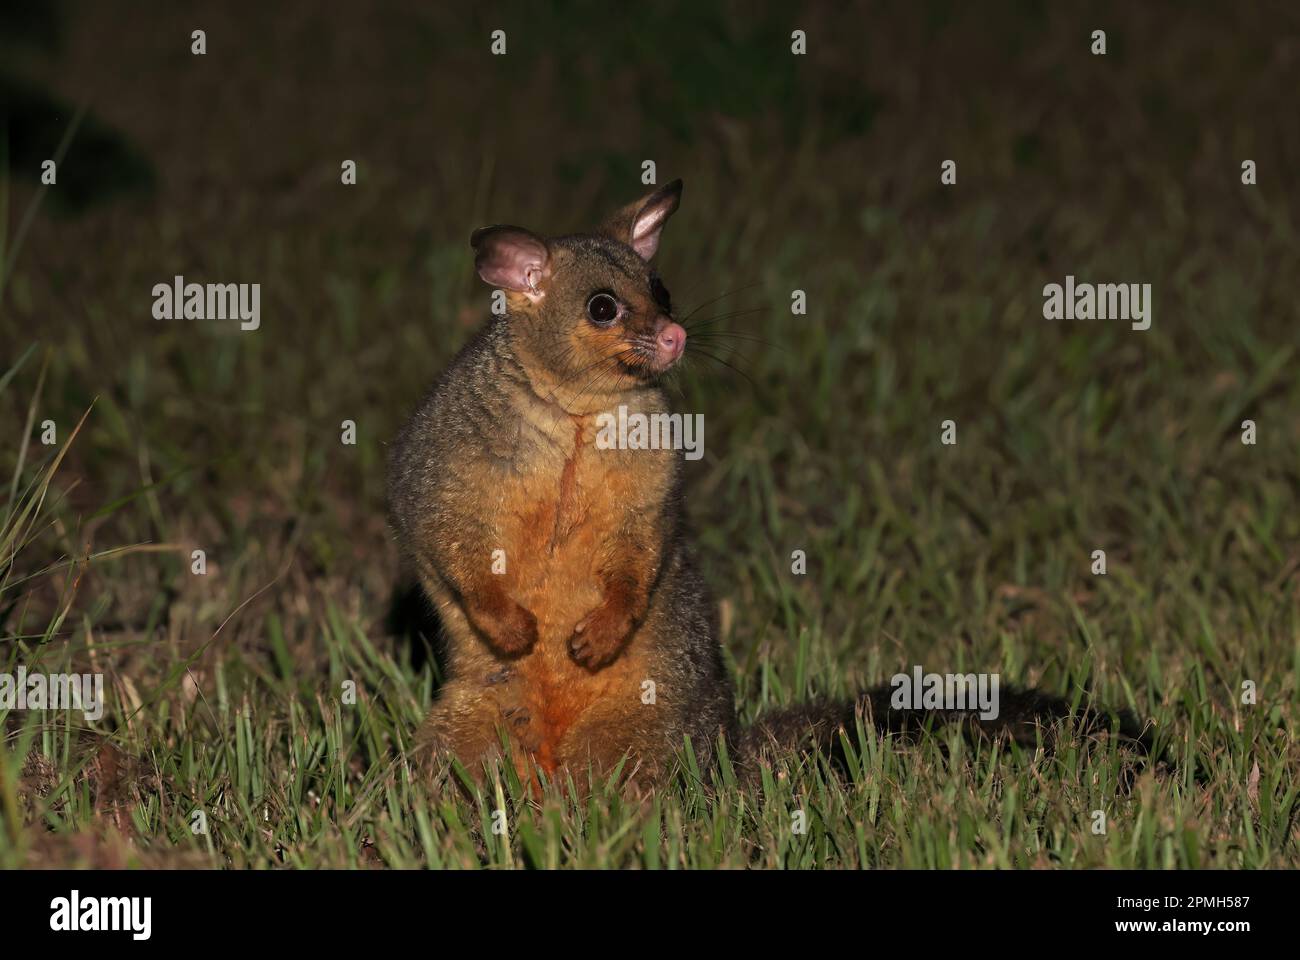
575, 617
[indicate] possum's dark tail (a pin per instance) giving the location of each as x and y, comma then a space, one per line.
1024, 716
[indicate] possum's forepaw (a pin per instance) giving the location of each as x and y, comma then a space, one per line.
600, 636
509, 628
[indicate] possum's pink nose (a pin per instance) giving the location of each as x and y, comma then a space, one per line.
670, 343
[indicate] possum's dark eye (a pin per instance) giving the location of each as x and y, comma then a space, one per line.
602, 308
660, 293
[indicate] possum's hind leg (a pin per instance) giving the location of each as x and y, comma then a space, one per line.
624, 731
463, 725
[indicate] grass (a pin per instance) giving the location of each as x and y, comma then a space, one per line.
226, 691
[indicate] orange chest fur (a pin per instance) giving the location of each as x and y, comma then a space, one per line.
562, 520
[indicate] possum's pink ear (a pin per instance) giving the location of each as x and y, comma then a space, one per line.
639, 224
511, 257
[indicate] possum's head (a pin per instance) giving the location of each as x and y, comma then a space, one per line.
589, 308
